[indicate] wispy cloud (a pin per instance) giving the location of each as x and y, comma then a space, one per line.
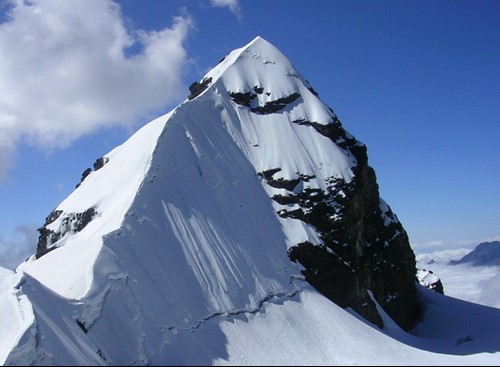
20, 245
69, 68
233, 5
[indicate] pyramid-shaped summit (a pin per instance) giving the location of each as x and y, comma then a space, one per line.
211, 223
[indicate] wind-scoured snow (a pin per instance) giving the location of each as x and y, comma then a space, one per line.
186, 263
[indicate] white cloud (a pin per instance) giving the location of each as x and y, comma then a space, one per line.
18, 247
66, 70
233, 5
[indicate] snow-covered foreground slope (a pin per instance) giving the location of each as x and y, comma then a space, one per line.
451, 333
173, 252
298, 328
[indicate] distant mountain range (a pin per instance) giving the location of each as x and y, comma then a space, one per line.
486, 253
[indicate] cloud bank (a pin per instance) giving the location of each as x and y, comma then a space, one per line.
69, 68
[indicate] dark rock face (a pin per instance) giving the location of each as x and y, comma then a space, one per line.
197, 88
85, 174
100, 162
281, 183
365, 251
335, 132
243, 99
486, 253
247, 99
71, 223
276, 105
257, 89
46, 235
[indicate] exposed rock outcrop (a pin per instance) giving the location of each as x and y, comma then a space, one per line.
197, 88
243, 99
276, 105
69, 223
364, 247
248, 99
85, 174
100, 162
430, 280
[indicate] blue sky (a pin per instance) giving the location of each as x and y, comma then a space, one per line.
417, 81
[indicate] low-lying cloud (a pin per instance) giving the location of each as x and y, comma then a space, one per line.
69, 68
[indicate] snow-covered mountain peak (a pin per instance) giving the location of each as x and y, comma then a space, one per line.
253, 149
248, 61
208, 227
260, 76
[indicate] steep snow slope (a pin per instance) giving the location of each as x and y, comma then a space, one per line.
172, 252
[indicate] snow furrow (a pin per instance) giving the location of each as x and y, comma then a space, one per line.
270, 298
